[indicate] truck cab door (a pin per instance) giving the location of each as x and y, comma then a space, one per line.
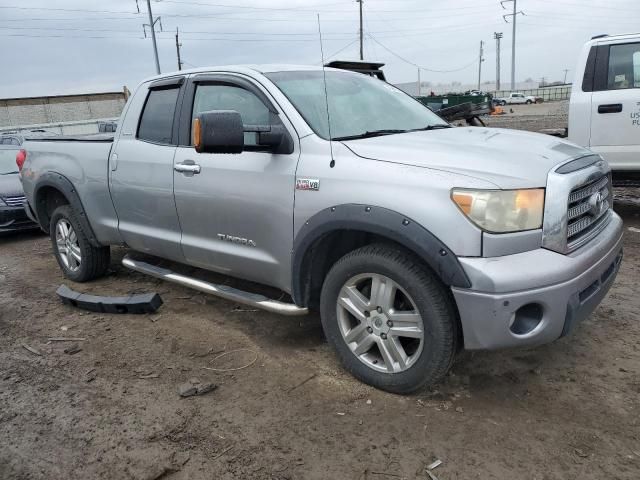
615, 105
236, 210
141, 170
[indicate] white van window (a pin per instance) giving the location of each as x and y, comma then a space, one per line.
624, 66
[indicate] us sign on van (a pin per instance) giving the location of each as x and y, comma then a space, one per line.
308, 184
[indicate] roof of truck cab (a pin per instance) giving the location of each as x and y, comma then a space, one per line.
246, 69
613, 38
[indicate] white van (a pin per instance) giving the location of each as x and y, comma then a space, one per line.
604, 112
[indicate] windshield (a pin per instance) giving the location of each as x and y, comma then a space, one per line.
358, 104
8, 161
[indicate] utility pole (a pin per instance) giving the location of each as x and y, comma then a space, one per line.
566, 70
178, 45
480, 63
152, 26
497, 36
361, 31
513, 16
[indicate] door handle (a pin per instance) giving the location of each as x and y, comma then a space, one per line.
191, 168
612, 108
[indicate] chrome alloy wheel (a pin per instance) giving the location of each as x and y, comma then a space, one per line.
68, 245
380, 323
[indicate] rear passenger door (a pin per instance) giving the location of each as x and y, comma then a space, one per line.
141, 165
615, 105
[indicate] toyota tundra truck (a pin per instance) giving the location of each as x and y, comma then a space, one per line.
413, 239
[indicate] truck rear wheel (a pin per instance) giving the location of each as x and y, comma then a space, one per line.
390, 320
79, 260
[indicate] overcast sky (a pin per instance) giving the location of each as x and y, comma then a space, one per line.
81, 46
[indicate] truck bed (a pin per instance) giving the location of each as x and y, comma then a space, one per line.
91, 137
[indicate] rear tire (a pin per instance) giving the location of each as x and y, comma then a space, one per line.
79, 260
407, 343
529, 102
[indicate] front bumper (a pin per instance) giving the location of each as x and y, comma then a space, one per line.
536, 297
15, 218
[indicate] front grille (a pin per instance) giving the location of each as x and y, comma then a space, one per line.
589, 208
15, 201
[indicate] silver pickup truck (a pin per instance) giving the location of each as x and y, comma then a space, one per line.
413, 239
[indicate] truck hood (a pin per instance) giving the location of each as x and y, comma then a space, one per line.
10, 185
506, 158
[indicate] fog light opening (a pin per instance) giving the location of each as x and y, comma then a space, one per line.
526, 319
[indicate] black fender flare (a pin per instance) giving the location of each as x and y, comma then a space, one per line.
380, 221
65, 187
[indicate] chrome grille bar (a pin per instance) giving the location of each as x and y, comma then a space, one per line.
582, 208
589, 190
16, 201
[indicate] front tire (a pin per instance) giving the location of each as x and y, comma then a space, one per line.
79, 260
529, 102
390, 320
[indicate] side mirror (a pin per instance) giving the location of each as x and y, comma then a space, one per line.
218, 131
277, 139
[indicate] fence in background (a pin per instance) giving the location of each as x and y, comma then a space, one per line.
548, 93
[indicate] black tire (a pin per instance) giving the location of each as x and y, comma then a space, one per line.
529, 102
503, 103
94, 260
431, 298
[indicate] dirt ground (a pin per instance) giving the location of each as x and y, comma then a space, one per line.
534, 118
569, 410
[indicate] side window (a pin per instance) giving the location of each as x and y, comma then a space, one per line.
228, 97
156, 122
624, 66
15, 141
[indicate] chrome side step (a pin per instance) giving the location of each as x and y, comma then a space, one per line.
222, 291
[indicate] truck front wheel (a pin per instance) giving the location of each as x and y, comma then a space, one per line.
79, 260
390, 319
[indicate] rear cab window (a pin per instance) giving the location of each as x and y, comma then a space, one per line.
156, 121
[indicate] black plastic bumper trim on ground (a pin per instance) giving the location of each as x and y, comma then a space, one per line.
141, 303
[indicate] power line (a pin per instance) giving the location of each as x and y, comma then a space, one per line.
67, 10
498, 37
361, 31
342, 49
415, 64
481, 59
513, 16
178, 45
152, 27
308, 8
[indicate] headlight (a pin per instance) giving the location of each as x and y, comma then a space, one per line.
502, 211
2, 203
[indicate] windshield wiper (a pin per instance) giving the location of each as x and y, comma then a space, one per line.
431, 127
9, 173
369, 134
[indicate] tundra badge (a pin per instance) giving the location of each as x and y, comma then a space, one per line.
238, 240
